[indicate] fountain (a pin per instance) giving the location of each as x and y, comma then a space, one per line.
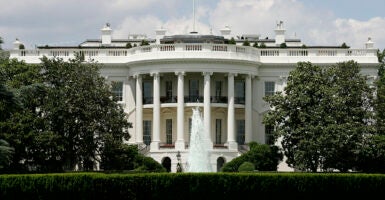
198, 158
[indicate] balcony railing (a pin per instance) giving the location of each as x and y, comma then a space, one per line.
239, 100
208, 51
194, 99
218, 99
148, 100
165, 99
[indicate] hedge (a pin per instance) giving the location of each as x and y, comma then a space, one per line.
258, 185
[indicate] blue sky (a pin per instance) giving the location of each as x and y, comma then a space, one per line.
315, 22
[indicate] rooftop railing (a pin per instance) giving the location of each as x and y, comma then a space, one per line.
202, 51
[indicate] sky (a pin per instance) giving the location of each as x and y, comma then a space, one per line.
70, 22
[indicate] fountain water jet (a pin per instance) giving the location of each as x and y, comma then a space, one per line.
198, 158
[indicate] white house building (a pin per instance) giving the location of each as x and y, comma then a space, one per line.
159, 84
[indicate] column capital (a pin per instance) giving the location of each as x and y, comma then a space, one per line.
155, 74
231, 74
137, 75
250, 75
182, 73
207, 73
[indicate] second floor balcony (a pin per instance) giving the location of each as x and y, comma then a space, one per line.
194, 99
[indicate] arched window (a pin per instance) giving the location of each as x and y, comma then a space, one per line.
166, 163
220, 162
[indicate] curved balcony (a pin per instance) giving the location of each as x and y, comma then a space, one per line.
145, 53
195, 99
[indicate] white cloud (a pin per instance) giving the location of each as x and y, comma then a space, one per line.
356, 32
42, 21
314, 26
131, 25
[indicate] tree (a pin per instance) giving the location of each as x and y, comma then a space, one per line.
297, 116
263, 45
372, 157
128, 45
380, 94
119, 157
232, 40
246, 43
81, 111
5, 154
68, 117
1, 42
255, 45
350, 111
343, 45
19, 125
322, 116
144, 43
8, 102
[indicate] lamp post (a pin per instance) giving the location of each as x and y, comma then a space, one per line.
178, 165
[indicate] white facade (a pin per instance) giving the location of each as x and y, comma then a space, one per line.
161, 83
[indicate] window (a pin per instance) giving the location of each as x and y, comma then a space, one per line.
117, 90
189, 128
168, 131
147, 132
240, 92
269, 88
240, 131
269, 131
218, 131
218, 89
194, 91
169, 91
147, 92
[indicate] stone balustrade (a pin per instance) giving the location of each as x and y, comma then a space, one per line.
202, 51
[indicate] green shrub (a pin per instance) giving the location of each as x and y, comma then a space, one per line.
263, 157
246, 167
234, 164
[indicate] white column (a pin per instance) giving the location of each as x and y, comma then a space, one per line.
207, 106
179, 144
231, 142
248, 110
156, 113
139, 110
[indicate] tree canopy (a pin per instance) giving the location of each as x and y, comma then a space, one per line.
323, 116
67, 119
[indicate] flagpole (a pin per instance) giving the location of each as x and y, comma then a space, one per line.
194, 15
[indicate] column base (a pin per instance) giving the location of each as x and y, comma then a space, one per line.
154, 146
232, 145
179, 145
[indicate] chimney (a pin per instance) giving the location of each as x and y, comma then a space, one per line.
160, 33
225, 32
106, 35
279, 34
369, 44
17, 44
